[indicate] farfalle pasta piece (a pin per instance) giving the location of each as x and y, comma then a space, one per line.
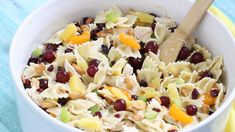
61, 57
216, 69
55, 91
176, 67
55, 111
142, 33
188, 100
220, 96
110, 121
130, 129
112, 17
187, 76
127, 51
33, 70
149, 63
130, 22
161, 33
128, 69
100, 75
204, 51
55, 39
118, 66
203, 66
79, 106
168, 22
92, 96
69, 68
32, 92
114, 54
148, 74
205, 83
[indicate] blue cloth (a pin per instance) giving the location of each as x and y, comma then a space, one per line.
12, 13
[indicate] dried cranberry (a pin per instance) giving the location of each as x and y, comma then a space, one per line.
27, 83
63, 101
68, 50
32, 60
40, 90
191, 110
62, 76
105, 49
49, 56
50, 68
197, 57
172, 131
43, 83
165, 101
136, 63
151, 46
120, 105
156, 109
52, 47
195, 94
98, 113
100, 25
117, 115
143, 83
94, 62
214, 92
113, 62
41, 59
134, 97
184, 53
91, 71
88, 20
206, 74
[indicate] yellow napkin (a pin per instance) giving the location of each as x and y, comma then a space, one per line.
230, 126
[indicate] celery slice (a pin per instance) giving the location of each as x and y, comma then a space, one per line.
111, 17
37, 52
150, 114
65, 116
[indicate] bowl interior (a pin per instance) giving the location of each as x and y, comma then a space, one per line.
49, 19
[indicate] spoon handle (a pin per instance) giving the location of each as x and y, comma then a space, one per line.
172, 46
194, 16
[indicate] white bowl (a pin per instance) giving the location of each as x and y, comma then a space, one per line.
51, 17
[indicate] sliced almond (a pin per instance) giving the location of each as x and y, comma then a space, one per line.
78, 69
185, 91
40, 68
129, 83
205, 109
74, 96
137, 117
138, 104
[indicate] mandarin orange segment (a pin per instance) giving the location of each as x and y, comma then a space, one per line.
209, 100
180, 115
129, 40
84, 37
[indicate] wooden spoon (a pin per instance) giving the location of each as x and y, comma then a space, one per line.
172, 46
